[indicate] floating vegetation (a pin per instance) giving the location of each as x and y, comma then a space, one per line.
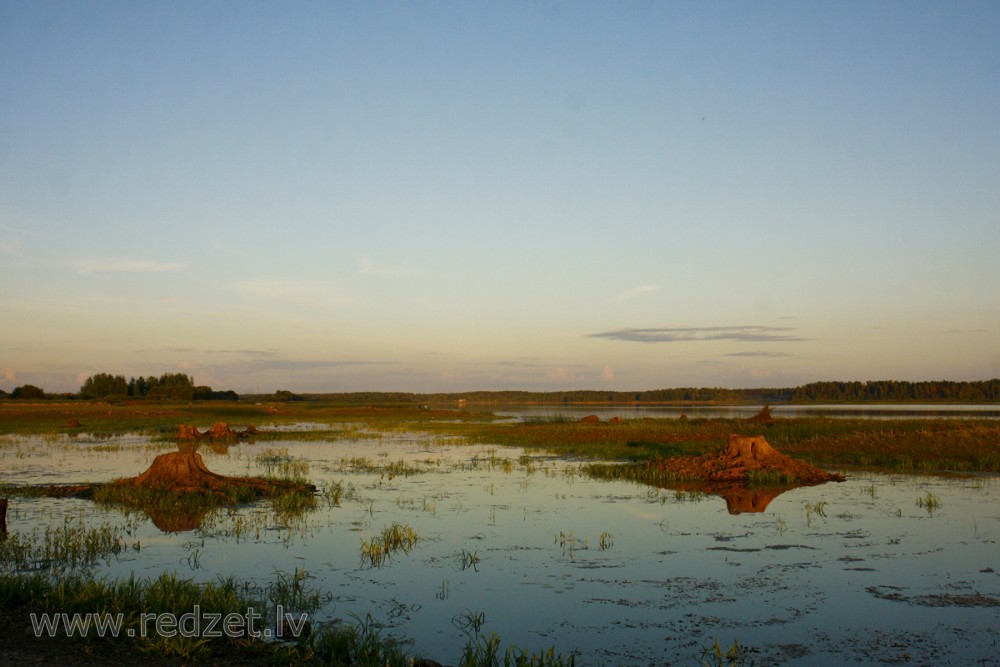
468, 559
818, 508
569, 543
280, 464
930, 502
607, 540
469, 622
735, 656
397, 537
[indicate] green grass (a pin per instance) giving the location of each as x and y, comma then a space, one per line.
357, 643
377, 550
892, 445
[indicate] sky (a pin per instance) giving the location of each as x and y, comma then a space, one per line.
454, 196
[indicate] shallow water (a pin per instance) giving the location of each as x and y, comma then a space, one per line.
844, 572
787, 410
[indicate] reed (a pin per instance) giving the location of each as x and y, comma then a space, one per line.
377, 550
72, 546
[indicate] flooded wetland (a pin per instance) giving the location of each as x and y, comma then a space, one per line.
434, 541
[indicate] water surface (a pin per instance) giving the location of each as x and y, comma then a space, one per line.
861, 571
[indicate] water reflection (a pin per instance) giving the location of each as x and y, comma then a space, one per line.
858, 571
879, 411
739, 499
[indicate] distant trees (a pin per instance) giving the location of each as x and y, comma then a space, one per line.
899, 390
27, 391
176, 386
285, 395
103, 385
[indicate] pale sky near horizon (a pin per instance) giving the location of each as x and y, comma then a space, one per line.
451, 196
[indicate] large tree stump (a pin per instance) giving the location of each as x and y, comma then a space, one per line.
184, 472
730, 471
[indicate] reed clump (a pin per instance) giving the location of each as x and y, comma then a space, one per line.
397, 537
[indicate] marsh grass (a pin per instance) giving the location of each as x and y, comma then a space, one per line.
134, 598
929, 502
896, 445
735, 656
377, 550
71, 546
487, 651
279, 464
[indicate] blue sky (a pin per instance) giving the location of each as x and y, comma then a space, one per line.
450, 196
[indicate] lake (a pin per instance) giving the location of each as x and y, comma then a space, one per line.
877, 569
866, 411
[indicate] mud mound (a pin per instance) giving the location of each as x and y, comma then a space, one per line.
743, 457
219, 431
764, 416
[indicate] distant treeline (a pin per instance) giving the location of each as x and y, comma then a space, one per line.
895, 390
177, 386
878, 390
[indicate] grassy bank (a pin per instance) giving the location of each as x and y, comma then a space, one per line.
148, 617
896, 445
901, 445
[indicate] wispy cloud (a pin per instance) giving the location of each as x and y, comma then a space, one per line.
310, 364
754, 334
756, 353
633, 293
121, 265
190, 350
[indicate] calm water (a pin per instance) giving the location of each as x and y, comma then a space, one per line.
880, 411
850, 572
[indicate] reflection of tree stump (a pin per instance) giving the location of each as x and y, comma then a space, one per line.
3, 518
177, 522
740, 499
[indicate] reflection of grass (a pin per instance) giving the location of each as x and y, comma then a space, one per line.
468, 559
735, 656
